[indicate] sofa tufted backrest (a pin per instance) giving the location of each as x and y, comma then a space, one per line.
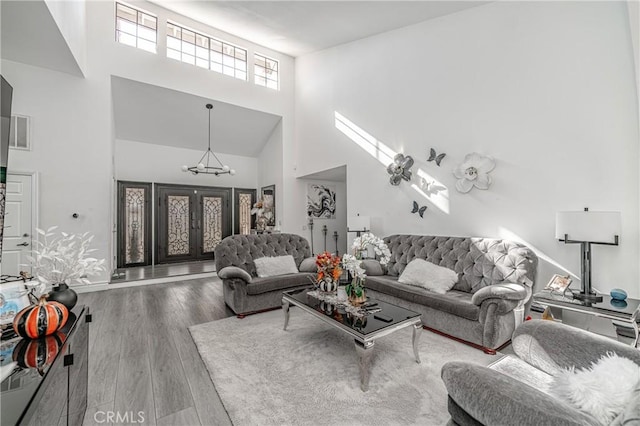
240, 250
479, 262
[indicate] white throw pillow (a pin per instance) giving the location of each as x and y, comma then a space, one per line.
422, 273
272, 266
602, 391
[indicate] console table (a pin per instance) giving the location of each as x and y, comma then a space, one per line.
623, 314
57, 393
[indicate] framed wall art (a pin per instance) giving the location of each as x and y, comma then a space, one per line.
321, 201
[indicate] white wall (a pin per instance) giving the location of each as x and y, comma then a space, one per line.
546, 88
270, 170
71, 149
72, 119
71, 18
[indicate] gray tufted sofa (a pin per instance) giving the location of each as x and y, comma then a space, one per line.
244, 292
489, 301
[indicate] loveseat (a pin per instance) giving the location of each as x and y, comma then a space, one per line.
491, 297
523, 394
246, 293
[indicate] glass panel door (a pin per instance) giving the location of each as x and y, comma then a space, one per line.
134, 218
191, 221
244, 199
214, 219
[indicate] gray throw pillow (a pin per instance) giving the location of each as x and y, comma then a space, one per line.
372, 267
273, 266
422, 273
308, 265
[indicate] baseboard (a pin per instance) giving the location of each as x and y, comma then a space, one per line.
111, 286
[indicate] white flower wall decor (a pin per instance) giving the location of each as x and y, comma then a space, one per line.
474, 171
400, 169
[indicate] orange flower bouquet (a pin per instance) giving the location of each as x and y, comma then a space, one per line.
329, 271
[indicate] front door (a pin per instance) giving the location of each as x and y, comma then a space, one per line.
16, 243
191, 221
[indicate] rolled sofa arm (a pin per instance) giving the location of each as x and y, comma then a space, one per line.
552, 346
506, 291
493, 398
229, 272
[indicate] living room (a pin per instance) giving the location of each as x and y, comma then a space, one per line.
548, 90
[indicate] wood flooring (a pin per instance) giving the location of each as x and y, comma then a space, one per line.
142, 357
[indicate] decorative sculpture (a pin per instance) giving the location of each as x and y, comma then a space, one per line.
419, 210
474, 171
399, 169
438, 158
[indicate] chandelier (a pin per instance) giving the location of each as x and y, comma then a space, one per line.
203, 165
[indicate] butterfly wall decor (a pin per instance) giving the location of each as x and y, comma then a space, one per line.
437, 158
418, 209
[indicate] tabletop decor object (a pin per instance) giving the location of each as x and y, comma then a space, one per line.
353, 263
64, 259
400, 169
329, 271
40, 320
586, 228
618, 294
474, 171
263, 212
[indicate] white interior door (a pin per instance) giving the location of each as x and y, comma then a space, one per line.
16, 244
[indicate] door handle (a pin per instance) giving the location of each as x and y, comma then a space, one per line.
23, 244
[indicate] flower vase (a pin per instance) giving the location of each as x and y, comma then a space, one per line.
261, 223
64, 295
328, 286
357, 300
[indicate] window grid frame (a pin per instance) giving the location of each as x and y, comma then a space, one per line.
221, 64
257, 57
137, 24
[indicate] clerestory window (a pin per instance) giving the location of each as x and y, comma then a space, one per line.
207, 52
136, 28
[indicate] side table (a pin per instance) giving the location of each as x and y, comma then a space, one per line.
623, 314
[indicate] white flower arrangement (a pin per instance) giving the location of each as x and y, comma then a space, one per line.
353, 263
64, 258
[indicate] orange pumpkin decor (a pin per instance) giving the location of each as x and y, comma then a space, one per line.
38, 353
40, 320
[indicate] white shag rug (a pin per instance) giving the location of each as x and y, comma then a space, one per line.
308, 375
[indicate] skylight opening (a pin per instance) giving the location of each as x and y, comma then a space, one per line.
266, 72
197, 49
136, 28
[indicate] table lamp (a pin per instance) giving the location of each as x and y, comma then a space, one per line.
586, 228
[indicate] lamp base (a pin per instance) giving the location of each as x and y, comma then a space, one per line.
588, 297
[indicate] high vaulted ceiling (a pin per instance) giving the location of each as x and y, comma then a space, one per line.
300, 27
152, 114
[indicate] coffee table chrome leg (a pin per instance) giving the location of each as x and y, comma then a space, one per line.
417, 332
285, 308
364, 350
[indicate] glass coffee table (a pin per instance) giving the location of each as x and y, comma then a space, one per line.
365, 329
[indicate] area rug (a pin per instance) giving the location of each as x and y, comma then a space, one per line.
308, 375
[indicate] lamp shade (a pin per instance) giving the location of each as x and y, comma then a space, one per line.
359, 223
595, 227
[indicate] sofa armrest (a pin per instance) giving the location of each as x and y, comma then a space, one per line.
493, 398
229, 272
506, 291
552, 346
